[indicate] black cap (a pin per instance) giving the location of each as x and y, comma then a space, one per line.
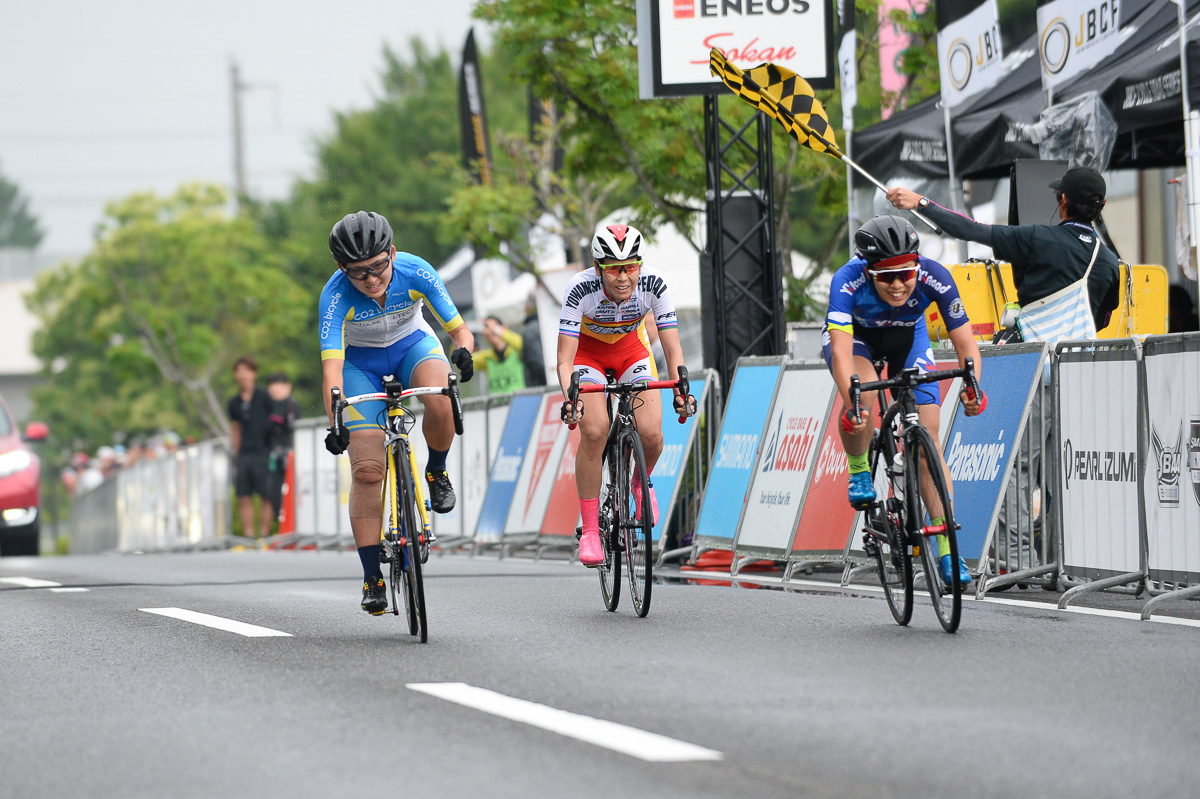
277, 377
1081, 182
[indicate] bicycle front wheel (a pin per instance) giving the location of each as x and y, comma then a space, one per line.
947, 599
894, 561
610, 525
638, 524
414, 586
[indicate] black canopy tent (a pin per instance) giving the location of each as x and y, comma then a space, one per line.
1139, 85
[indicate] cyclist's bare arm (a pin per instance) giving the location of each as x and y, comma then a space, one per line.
460, 336
567, 347
669, 338
331, 378
965, 347
841, 351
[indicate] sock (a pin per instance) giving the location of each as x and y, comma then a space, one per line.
589, 509
437, 460
942, 541
369, 556
858, 463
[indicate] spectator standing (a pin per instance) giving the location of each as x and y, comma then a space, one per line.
531, 347
284, 413
502, 358
250, 417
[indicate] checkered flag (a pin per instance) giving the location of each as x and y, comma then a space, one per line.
782, 95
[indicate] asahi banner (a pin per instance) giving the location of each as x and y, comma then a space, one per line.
675, 37
1074, 36
969, 54
472, 117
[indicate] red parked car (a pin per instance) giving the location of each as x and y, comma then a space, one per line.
20, 486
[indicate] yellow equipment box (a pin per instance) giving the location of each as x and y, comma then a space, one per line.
985, 288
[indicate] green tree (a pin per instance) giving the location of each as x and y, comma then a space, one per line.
140, 335
18, 227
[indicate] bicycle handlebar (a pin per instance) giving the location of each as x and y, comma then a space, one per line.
393, 394
911, 378
574, 390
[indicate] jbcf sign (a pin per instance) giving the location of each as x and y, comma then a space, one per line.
675, 37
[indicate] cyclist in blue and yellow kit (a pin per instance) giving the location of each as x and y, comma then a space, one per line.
876, 312
371, 326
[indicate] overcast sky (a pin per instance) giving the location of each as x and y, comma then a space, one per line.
102, 98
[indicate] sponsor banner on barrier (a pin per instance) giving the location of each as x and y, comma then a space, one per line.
1171, 486
677, 443
545, 448
736, 452
506, 467
445, 525
305, 442
827, 518
325, 489
785, 461
979, 450
497, 416
473, 445
1098, 481
562, 511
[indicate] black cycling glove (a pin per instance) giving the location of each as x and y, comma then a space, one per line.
337, 442
462, 359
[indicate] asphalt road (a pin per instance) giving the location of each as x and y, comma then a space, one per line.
801, 693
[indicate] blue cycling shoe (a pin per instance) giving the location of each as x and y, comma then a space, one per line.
964, 576
862, 490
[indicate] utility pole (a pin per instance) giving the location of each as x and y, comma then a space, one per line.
239, 167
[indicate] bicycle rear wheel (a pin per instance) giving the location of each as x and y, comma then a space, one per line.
947, 599
637, 535
410, 532
610, 524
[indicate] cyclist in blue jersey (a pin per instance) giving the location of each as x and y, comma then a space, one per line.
876, 312
371, 326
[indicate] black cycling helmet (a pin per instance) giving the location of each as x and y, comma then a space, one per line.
885, 237
357, 237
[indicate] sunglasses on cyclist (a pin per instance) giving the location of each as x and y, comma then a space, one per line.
615, 268
361, 272
888, 276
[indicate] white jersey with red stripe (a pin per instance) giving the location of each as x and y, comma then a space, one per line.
591, 316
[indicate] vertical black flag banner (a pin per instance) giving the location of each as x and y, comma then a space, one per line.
472, 117
542, 115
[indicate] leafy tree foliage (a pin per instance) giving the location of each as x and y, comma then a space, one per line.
18, 227
140, 335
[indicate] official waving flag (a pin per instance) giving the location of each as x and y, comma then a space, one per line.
782, 95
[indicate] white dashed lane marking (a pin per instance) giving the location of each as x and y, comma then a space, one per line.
217, 622
29, 582
608, 734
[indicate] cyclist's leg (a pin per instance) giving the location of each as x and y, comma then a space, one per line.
366, 471
589, 460
640, 368
424, 364
856, 445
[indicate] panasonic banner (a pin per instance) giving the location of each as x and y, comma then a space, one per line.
1098, 479
506, 467
675, 37
1171, 486
785, 461
979, 450
736, 451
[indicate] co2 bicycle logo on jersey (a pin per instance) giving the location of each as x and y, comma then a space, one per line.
327, 317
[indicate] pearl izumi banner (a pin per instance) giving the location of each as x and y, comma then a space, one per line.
969, 54
1098, 455
1074, 36
1171, 485
675, 36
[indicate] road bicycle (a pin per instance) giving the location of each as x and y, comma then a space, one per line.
898, 527
406, 533
620, 528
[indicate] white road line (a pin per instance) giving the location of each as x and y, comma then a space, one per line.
29, 582
229, 625
68, 590
626, 740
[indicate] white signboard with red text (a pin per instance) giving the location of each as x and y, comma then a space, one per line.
675, 37
791, 445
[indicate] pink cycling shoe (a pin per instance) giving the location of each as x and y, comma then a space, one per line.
591, 552
637, 500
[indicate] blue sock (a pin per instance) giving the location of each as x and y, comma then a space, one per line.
369, 556
437, 460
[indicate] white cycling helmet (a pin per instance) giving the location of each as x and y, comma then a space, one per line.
618, 242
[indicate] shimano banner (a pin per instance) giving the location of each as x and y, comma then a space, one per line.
677, 443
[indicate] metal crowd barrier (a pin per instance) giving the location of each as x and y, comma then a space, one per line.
178, 501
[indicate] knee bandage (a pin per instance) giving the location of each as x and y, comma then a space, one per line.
367, 467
